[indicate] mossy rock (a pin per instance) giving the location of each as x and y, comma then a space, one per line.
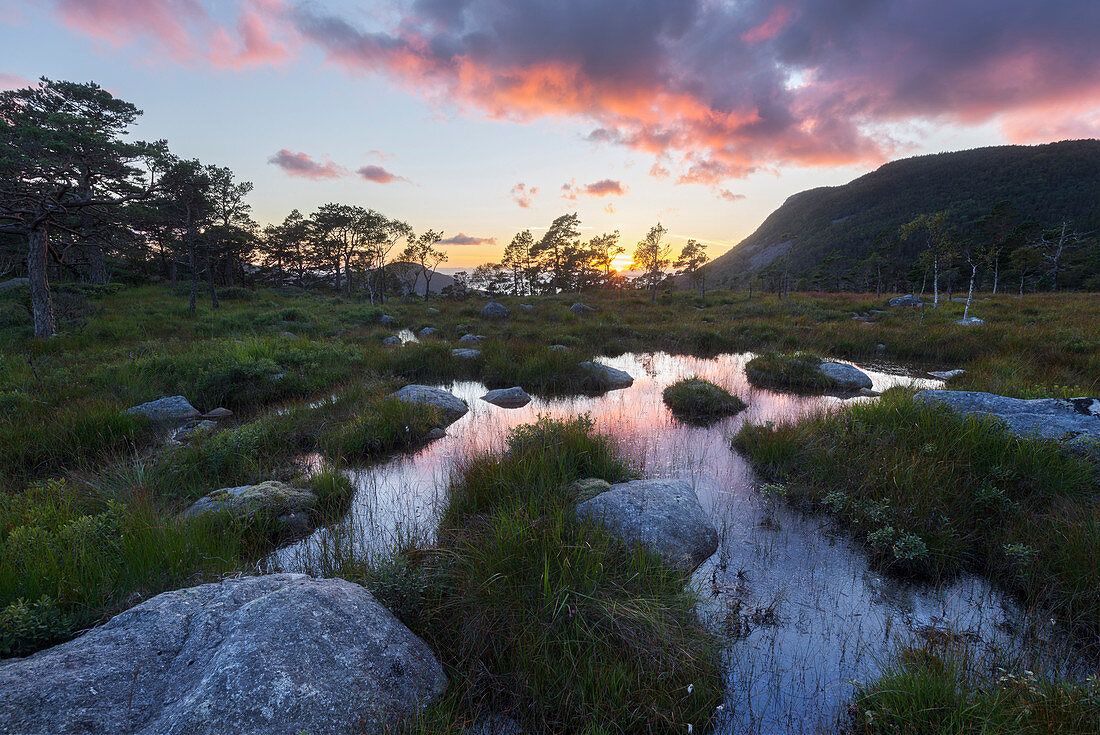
698, 400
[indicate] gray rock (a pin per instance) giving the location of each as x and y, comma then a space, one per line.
387, 321
971, 321
280, 654
581, 309
945, 374
168, 410
426, 332
433, 310
391, 341
1049, 418
187, 433
452, 407
465, 353
880, 348
514, 397
272, 501
663, 515
14, 283
496, 724
433, 434
470, 339
218, 413
868, 393
558, 348
846, 376
493, 310
907, 300
606, 377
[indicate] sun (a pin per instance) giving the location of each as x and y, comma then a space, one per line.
621, 262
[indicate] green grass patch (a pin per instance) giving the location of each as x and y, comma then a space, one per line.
797, 371
700, 401
933, 493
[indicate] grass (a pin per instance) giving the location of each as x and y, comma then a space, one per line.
933, 493
796, 371
936, 689
700, 401
552, 620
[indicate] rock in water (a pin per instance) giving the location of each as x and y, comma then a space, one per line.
663, 515
280, 654
514, 397
846, 376
452, 407
945, 374
907, 300
493, 310
581, 309
465, 353
171, 409
286, 508
605, 377
1050, 418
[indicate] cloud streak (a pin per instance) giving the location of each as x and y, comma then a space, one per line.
464, 239
302, 166
379, 175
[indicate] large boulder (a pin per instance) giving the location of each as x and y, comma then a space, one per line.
847, 377
662, 515
605, 377
280, 654
168, 410
1050, 418
286, 508
581, 309
493, 310
451, 406
907, 300
514, 397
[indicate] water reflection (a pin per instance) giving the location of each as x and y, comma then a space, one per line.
805, 614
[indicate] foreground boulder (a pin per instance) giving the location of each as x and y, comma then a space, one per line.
847, 377
514, 397
1049, 418
451, 406
286, 508
493, 310
280, 654
907, 300
662, 515
168, 410
605, 377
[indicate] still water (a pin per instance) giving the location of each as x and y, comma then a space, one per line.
805, 618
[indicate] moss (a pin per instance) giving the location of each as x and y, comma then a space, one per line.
700, 401
796, 371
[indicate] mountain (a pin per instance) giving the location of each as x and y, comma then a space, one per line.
1045, 183
408, 274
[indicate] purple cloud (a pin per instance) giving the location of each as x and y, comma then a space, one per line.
301, 165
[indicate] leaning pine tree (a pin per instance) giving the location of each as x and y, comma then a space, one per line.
62, 152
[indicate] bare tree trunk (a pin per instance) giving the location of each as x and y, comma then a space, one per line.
936, 283
996, 273
194, 276
970, 294
45, 325
210, 281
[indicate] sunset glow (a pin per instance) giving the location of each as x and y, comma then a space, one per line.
483, 117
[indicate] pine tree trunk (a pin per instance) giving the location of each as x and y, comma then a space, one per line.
210, 281
194, 277
97, 266
45, 325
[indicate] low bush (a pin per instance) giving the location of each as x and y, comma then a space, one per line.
700, 401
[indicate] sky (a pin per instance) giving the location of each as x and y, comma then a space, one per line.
482, 118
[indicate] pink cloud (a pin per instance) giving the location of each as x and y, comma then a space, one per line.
463, 239
522, 195
12, 81
605, 188
770, 28
301, 165
729, 196
379, 175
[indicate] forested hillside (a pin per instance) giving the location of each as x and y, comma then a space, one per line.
843, 225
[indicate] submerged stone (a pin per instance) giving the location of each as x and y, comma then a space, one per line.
606, 377
280, 654
514, 397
